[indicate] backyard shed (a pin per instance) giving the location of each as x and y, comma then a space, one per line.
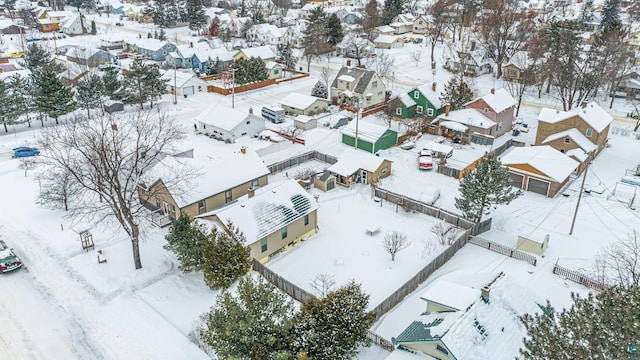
355, 166
371, 137
305, 122
533, 244
325, 181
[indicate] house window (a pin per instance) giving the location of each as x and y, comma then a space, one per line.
430, 111
589, 132
199, 88
283, 232
398, 111
374, 84
263, 244
306, 220
227, 196
254, 183
276, 71
442, 349
486, 110
201, 207
384, 170
419, 109
567, 140
416, 94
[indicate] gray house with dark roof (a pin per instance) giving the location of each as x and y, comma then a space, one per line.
353, 85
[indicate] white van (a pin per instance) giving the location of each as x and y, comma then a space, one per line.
273, 114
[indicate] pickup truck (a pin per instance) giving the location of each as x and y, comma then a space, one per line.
425, 160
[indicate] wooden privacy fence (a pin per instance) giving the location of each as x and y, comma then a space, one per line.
434, 211
283, 284
300, 159
578, 277
504, 250
413, 283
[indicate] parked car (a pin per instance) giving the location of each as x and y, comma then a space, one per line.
417, 41
24, 151
408, 145
8, 260
119, 24
425, 160
17, 54
32, 39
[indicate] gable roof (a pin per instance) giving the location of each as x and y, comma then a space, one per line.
433, 96
271, 208
451, 295
180, 78
551, 162
223, 117
582, 141
362, 76
299, 101
471, 117
216, 174
150, 44
499, 101
591, 113
386, 39
367, 131
262, 52
406, 100
351, 160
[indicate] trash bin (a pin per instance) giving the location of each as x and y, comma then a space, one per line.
185, 95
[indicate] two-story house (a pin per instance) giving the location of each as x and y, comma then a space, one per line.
420, 101
267, 34
353, 86
421, 24
263, 52
153, 49
498, 106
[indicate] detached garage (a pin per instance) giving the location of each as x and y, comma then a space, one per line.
186, 83
539, 169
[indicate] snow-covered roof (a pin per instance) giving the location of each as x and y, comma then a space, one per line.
591, 113
471, 117
187, 51
57, 14
220, 53
578, 154
181, 78
582, 141
451, 295
299, 101
149, 44
216, 174
500, 100
406, 100
346, 78
551, 162
366, 131
351, 160
385, 39
223, 117
385, 29
270, 209
262, 52
431, 95
272, 65
24, 73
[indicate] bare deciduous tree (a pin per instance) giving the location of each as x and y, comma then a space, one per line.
306, 173
26, 164
57, 189
394, 242
109, 158
382, 65
322, 284
292, 132
619, 262
443, 232
416, 56
325, 75
437, 25
427, 248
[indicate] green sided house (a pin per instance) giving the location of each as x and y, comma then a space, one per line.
272, 218
402, 107
371, 137
427, 99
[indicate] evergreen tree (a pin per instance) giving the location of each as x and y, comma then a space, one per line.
225, 257
457, 93
93, 28
149, 35
36, 57
487, 186
334, 27
257, 69
391, 9
610, 15
285, 56
335, 326
75, 3
586, 13
111, 82
214, 27
316, 36
21, 96
155, 34
89, 93
4, 106
162, 35
604, 326
144, 82
186, 239
320, 90
372, 16
53, 98
195, 14
254, 324
155, 84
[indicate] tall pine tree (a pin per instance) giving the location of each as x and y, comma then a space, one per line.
195, 14
89, 93
391, 9
53, 98
186, 238
334, 27
225, 258
21, 96
456, 93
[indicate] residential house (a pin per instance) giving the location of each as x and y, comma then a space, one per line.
422, 24
271, 218
370, 137
212, 188
133, 12
578, 132
301, 104
353, 86
185, 83
153, 49
263, 52
462, 322
513, 70
111, 41
182, 56
74, 25
352, 18
388, 42
8, 27
629, 86
274, 70
58, 16
46, 25
237, 26
474, 63
306, 10
355, 47
355, 166
219, 58
540, 169
87, 57
223, 15
460, 125
384, 30
427, 99
267, 34
227, 124
305, 122
498, 106
402, 107
402, 23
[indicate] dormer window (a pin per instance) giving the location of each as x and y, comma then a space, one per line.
589, 132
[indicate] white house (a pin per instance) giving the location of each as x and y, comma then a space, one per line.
301, 104
267, 34
73, 25
227, 124
186, 83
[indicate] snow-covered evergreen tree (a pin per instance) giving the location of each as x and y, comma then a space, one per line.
320, 90
253, 324
89, 93
391, 9
334, 26
285, 56
186, 239
195, 14
488, 185
604, 326
21, 96
111, 82
225, 258
53, 98
335, 326
457, 93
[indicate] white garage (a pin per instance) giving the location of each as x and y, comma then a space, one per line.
187, 83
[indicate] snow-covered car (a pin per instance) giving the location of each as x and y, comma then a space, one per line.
8, 260
408, 145
24, 151
425, 160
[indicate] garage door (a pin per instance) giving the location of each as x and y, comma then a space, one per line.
188, 90
516, 180
538, 186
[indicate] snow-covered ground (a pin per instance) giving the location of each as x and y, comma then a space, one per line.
66, 305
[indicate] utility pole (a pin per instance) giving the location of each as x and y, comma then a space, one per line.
357, 118
575, 213
233, 88
175, 88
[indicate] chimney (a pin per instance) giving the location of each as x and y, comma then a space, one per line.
191, 44
252, 191
493, 91
485, 293
243, 149
584, 104
433, 86
251, 110
447, 109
